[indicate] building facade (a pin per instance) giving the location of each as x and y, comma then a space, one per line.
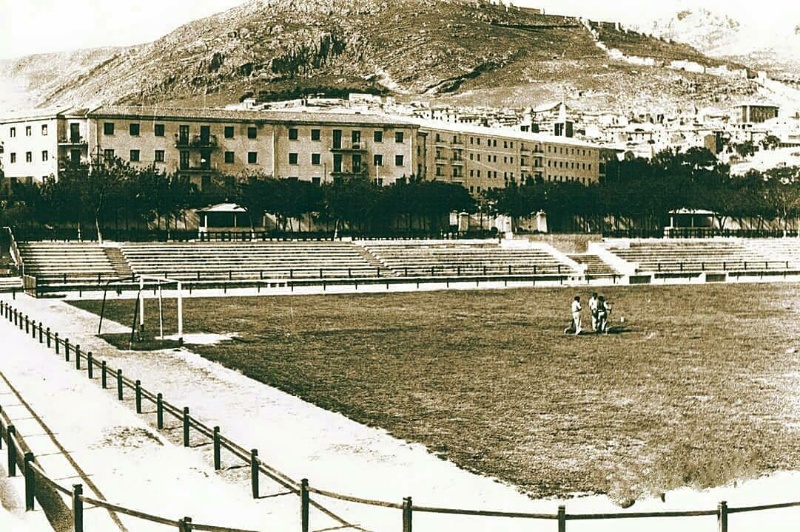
483, 159
36, 146
314, 146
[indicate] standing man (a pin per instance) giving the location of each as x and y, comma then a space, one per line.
593, 310
576, 314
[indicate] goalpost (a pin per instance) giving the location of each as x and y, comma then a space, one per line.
139, 314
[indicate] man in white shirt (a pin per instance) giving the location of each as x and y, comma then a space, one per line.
576, 313
593, 310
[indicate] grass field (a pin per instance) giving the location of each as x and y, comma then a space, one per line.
699, 388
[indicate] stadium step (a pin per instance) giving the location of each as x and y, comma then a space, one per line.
594, 264
119, 262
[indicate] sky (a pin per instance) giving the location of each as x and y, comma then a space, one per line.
38, 26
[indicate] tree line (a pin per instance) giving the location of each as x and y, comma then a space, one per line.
636, 193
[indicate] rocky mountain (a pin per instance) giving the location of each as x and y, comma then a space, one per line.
775, 48
469, 51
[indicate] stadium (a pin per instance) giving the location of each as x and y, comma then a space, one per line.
456, 349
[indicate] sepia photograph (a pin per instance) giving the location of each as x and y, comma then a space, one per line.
399, 266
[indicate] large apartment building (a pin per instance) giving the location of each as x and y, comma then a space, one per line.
482, 158
32, 144
298, 144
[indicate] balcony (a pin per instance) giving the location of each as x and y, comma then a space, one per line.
197, 168
350, 173
72, 141
343, 146
457, 161
198, 142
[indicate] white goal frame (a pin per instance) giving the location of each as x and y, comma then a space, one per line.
161, 281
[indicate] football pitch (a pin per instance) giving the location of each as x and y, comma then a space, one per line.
697, 387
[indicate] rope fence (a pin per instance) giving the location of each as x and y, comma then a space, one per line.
18, 455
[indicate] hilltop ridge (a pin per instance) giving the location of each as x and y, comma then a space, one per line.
433, 49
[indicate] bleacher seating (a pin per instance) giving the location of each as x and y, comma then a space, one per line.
695, 256
778, 249
208, 261
66, 262
426, 258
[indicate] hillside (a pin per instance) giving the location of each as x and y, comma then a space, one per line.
775, 49
451, 49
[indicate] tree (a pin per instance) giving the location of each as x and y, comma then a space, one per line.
770, 142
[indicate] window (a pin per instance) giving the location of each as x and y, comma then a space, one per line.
377, 136
108, 128
13, 157
27, 131
159, 156
398, 136
292, 158
316, 181
355, 136
377, 160
108, 153
252, 132
315, 134
229, 157
252, 157
398, 160
28, 156
44, 130
134, 130
292, 133
228, 132
45, 156
134, 156
12, 132
158, 130
316, 159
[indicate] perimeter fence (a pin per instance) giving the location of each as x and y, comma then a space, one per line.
20, 455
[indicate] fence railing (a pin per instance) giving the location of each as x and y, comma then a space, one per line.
62, 346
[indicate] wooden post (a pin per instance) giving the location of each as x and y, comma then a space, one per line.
138, 396
407, 525
304, 503
254, 472
722, 516
186, 426
30, 483
66, 348
15, 317
56, 343
41, 339
89, 364
562, 518
119, 384
27, 324
77, 507
33, 328
77, 356
217, 457
185, 525
160, 411
103, 374
12, 451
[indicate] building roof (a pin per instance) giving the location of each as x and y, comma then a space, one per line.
275, 116
42, 114
501, 132
223, 207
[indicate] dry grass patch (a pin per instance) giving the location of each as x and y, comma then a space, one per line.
698, 390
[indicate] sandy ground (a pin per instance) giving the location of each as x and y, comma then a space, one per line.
134, 465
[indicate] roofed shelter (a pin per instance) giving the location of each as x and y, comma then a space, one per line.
224, 217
